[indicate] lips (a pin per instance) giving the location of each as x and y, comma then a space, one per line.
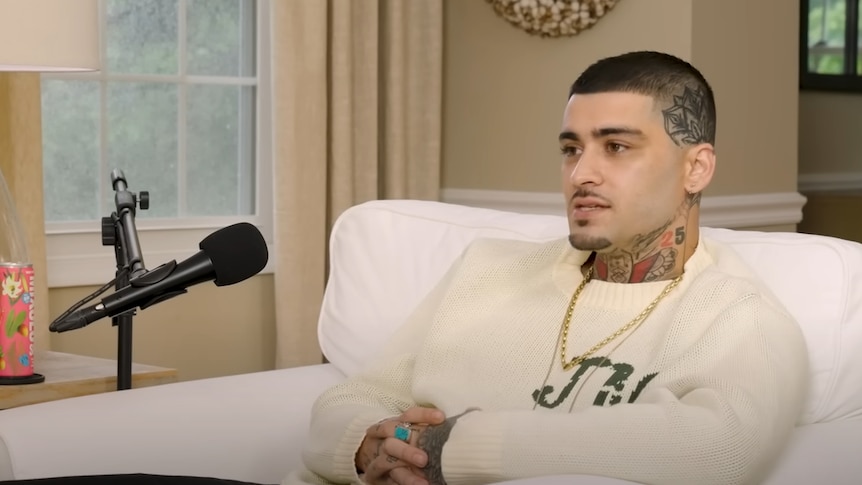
589, 203
584, 207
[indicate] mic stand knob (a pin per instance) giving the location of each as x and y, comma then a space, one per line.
109, 232
144, 200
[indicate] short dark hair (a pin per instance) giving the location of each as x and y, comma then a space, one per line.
690, 113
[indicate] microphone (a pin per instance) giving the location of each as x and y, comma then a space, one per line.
229, 255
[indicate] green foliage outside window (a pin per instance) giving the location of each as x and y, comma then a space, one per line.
826, 31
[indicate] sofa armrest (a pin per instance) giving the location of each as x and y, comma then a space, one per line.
248, 427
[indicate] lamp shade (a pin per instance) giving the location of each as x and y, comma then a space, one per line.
49, 35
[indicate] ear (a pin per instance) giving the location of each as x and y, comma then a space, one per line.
700, 166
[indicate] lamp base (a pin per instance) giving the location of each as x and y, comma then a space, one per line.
15, 380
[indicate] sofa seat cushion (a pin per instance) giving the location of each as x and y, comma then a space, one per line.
826, 453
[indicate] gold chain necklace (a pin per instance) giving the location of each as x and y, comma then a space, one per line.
637, 320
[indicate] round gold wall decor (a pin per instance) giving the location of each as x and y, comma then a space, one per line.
552, 18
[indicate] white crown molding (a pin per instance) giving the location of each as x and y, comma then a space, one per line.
752, 210
729, 211
830, 182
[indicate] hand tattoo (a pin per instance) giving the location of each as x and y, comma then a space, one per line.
431, 441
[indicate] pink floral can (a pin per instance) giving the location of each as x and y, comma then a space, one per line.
16, 317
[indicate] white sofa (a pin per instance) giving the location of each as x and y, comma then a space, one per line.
385, 255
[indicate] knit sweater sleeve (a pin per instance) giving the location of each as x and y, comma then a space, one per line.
343, 413
719, 415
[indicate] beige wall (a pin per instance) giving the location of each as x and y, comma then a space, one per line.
829, 126
505, 90
211, 331
748, 50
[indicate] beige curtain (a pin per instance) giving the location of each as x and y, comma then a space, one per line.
357, 88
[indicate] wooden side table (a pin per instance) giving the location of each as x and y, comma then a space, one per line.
70, 375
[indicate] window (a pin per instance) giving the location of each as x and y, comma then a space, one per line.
829, 45
181, 107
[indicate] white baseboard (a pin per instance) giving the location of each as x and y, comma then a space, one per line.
729, 211
830, 182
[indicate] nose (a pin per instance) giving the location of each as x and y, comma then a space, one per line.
586, 170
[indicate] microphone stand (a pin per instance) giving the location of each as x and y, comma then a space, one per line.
119, 231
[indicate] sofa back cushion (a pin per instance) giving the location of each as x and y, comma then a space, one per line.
386, 255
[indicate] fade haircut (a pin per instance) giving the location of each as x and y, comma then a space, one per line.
688, 105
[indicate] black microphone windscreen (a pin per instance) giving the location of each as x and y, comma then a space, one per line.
237, 252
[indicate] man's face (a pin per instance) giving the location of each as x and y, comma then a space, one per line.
622, 174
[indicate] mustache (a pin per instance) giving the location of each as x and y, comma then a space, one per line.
582, 192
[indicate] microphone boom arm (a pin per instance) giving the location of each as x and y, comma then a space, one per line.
126, 203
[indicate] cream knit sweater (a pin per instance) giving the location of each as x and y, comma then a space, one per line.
704, 391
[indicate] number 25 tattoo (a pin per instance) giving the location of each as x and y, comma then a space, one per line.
675, 237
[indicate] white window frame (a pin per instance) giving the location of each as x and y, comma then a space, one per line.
75, 254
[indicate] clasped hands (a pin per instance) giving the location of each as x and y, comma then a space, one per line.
386, 459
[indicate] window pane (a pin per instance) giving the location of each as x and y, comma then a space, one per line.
70, 149
220, 150
221, 37
142, 36
826, 36
204, 167
142, 142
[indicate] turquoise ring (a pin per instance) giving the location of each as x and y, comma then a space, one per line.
402, 432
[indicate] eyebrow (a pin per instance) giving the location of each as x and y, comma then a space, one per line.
603, 132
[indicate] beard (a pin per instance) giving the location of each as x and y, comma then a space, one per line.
588, 243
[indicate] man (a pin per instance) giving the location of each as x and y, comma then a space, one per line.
634, 348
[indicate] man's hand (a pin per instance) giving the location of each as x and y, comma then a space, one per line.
386, 459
